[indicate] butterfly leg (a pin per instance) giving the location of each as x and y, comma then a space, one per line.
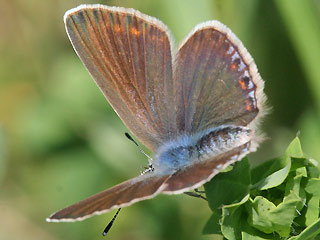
196, 194
199, 191
148, 169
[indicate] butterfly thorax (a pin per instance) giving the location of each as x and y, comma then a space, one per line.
188, 149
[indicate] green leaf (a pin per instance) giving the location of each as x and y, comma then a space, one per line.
236, 181
258, 214
274, 172
274, 175
264, 169
298, 163
213, 224
313, 187
312, 213
280, 212
294, 149
247, 236
258, 236
293, 187
309, 233
268, 218
232, 218
313, 172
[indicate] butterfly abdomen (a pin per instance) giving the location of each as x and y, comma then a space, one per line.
221, 140
177, 154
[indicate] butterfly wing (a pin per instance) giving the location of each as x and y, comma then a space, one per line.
216, 81
148, 186
121, 195
129, 56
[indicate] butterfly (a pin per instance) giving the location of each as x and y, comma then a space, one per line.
197, 108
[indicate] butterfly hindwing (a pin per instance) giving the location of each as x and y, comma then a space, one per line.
148, 186
201, 172
123, 194
216, 81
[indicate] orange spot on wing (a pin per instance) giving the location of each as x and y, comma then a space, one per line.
135, 31
234, 66
248, 105
117, 28
243, 84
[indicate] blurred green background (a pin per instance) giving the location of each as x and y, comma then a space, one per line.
60, 141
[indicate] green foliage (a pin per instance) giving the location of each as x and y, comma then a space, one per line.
275, 200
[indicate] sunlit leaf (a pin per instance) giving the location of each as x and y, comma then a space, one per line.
229, 187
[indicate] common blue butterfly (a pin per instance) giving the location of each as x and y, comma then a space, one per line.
196, 108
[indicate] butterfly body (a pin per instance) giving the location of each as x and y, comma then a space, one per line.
187, 150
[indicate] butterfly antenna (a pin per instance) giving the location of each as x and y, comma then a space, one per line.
131, 139
106, 230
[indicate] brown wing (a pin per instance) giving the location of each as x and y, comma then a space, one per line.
197, 174
216, 80
121, 195
129, 56
148, 186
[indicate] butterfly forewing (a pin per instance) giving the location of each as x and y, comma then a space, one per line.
216, 80
129, 56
